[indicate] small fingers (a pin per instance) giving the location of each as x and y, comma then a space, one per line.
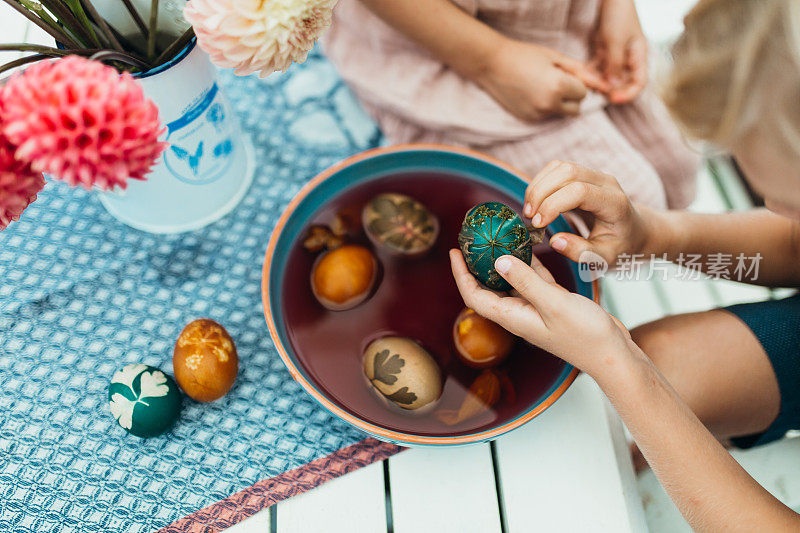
543, 295
569, 108
541, 270
586, 75
551, 178
468, 286
570, 245
571, 88
512, 313
636, 66
614, 62
600, 201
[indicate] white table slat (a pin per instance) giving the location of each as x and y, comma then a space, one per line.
708, 199
440, 490
563, 470
258, 523
732, 292
783, 292
685, 295
353, 502
635, 302
731, 184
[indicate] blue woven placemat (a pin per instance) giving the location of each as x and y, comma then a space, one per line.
81, 295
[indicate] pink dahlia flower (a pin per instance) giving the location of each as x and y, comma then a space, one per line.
19, 184
82, 122
256, 35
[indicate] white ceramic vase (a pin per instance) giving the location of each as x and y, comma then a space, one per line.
208, 166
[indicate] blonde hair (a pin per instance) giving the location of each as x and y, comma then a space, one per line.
737, 67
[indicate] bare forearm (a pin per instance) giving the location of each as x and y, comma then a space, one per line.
709, 487
750, 233
454, 37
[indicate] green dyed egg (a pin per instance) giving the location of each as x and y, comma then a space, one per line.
491, 230
144, 400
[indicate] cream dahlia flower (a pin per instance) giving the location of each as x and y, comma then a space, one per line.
258, 35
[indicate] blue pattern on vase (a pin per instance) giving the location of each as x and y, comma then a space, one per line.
204, 120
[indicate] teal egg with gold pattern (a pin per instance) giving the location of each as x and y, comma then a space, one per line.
491, 230
144, 400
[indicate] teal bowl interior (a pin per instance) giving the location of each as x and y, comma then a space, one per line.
358, 170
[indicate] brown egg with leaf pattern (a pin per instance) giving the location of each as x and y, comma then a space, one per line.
402, 372
400, 224
204, 360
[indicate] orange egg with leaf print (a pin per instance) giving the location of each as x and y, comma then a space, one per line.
205, 360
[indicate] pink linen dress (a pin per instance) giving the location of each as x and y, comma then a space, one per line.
416, 98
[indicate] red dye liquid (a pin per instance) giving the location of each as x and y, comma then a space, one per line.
415, 298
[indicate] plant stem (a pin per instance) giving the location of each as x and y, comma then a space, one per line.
176, 46
68, 21
151, 36
40, 12
120, 56
126, 44
22, 61
102, 24
24, 47
57, 52
77, 9
136, 17
56, 34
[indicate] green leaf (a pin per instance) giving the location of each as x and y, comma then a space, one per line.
402, 396
385, 207
385, 367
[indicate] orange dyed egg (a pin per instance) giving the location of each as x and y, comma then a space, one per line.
205, 361
343, 278
479, 342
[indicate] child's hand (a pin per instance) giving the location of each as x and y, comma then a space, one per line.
620, 50
545, 314
533, 82
618, 226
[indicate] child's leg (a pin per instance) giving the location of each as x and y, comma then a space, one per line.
718, 366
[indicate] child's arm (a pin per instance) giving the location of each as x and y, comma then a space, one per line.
712, 491
531, 82
621, 228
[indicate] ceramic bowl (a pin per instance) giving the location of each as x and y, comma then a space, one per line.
360, 169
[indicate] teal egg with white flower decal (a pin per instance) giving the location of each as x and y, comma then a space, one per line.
144, 400
491, 230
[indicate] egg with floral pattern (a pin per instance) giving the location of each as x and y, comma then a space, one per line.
144, 400
402, 372
491, 230
400, 224
205, 360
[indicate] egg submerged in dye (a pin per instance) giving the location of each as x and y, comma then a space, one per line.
344, 277
400, 224
491, 230
479, 342
403, 372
